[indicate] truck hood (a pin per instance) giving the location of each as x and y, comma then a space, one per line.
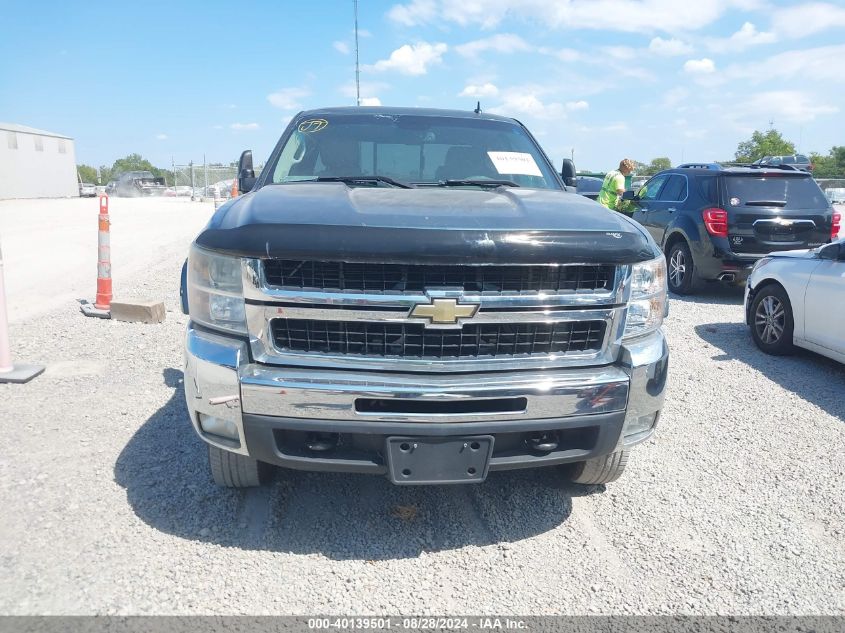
332, 221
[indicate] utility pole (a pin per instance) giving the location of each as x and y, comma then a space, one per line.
357, 67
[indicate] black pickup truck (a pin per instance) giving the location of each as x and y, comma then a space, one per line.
414, 293
137, 184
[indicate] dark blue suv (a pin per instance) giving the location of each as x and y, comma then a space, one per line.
714, 222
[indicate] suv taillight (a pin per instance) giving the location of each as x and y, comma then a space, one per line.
835, 225
716, 221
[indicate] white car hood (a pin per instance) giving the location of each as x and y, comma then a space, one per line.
802, 253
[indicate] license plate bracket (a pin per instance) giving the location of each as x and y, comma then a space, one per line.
782, 237
438, 460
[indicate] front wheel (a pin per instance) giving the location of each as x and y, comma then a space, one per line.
771, 320
680, 269
600, 470
233, 470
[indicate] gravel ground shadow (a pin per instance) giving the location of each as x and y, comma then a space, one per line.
813, 377
710, 293
356, 517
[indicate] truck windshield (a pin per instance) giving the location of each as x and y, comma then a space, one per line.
413, 149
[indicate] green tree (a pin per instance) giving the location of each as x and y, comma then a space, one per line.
656, 165
87, 173
133, 162
762, 144
105, 174
831, 165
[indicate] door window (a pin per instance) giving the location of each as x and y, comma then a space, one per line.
651, 189
675, 189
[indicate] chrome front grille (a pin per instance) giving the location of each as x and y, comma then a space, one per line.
367, 316
414, 340
393, 278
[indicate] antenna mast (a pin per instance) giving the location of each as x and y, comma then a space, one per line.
357, 67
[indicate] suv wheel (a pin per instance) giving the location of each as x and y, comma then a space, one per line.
771, 320
680, 269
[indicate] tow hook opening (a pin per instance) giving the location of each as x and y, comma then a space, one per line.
322, 442
542, 441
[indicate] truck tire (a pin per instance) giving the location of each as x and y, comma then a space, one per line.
600, 470
232, 470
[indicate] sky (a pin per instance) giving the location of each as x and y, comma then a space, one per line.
603, 79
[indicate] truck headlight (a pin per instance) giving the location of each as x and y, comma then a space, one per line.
215, 290
647, 305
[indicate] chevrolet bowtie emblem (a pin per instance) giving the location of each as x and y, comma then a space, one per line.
442, 311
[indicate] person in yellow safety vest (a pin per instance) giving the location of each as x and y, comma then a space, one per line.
613, 186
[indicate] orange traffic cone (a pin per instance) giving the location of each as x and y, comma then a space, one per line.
235, 188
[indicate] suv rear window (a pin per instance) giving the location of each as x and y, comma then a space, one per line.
795, 192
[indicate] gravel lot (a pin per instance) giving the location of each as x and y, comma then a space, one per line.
735, 507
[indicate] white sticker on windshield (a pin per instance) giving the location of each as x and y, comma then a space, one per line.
514, 163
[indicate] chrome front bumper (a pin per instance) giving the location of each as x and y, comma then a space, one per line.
222, 382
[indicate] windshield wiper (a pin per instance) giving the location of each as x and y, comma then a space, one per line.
766, 203
353, 179
477, 183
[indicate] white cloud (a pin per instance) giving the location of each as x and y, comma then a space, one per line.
746, 36
413, 13
703, 66
670, 47
784, 105
610, 127
161, 137
501, 43
577, 105
244, 126
369, 91
411, 59
217, 127
526, 100
633, 16
809, 64
341, 47
623, 53
288, 98
674, 96
806, 18
484, 90
567, 54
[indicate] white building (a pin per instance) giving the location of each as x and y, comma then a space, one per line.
36, 164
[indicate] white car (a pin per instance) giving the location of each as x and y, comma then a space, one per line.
87, 190
797, 298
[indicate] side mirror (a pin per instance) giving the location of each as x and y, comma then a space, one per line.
246, 174
835, 251
567, 172
629, 195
